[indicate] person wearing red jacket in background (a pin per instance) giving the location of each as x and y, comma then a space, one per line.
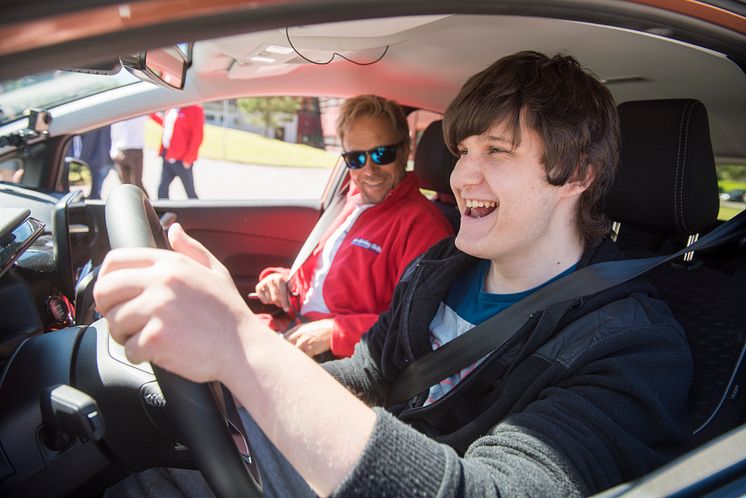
180, 141
348, 280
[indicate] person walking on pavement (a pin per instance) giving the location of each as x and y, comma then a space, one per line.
93, 148
180, 142
127, 144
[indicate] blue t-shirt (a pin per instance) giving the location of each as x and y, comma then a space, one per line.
466, 305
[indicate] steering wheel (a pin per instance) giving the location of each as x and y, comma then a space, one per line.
132, 222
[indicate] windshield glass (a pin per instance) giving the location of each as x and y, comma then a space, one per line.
46, 90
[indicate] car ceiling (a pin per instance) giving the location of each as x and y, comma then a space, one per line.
429, 57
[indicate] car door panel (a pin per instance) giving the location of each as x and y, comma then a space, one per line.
249, 237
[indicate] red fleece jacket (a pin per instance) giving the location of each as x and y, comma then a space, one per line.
187, 135
370, 260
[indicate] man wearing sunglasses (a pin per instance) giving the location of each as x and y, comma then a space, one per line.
349, 278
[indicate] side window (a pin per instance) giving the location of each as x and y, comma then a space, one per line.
88, 162
732, 187
252, 148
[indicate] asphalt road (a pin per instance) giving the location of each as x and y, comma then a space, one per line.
223, 180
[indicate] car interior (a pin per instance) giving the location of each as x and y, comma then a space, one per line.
679, 84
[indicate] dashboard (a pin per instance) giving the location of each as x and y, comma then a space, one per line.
49, 248
18, 233
55, 354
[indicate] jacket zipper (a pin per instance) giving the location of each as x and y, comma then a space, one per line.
409, 296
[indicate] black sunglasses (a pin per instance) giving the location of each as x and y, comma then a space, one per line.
383, 154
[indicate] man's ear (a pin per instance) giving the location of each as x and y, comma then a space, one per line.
407, 148
581, 179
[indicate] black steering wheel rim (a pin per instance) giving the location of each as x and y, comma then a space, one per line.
131, 221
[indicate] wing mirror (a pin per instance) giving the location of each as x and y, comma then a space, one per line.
76, 173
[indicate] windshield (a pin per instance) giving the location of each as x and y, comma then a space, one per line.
46, 90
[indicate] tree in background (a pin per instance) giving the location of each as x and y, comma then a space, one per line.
269, 112
732, 172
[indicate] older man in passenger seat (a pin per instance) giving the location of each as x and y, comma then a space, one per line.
349, 278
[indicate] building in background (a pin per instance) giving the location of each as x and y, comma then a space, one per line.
309, 130
302, 126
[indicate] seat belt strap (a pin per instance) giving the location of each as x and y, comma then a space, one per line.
488, 336
325, 221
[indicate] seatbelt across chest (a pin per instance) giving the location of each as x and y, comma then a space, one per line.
325, 221
488, 336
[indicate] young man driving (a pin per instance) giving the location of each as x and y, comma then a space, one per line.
581, 398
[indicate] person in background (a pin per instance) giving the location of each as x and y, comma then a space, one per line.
349, 278
180, 142
127, 144
93, 148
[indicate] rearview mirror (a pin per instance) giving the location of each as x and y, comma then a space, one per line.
163, 66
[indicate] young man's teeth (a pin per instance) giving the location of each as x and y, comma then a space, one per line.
477, 204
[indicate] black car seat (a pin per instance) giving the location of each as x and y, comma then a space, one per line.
433, 164
664, 195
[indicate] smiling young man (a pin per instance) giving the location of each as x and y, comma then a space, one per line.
584, 396
384, 224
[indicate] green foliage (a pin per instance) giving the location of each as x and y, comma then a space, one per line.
732, 172
79, 174
727, 186
268, 112
731, 177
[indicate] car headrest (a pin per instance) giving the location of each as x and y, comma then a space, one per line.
433, 162
666, 178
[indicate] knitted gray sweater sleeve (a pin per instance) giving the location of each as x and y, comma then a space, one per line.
359, 374
398, 461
